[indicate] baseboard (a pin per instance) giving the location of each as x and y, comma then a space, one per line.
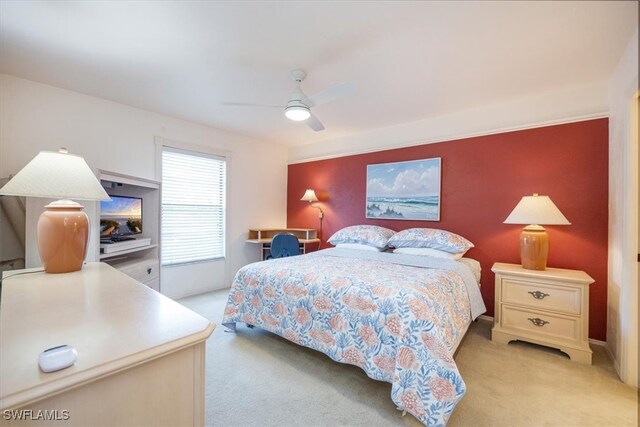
614, 361
598, 342
485, 319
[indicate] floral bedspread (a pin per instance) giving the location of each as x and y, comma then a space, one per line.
398, 323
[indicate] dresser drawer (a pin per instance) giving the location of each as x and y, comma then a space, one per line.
544, 325
154, 284
141, 270
562, 299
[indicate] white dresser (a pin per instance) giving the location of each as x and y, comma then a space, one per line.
141, 356
547, 307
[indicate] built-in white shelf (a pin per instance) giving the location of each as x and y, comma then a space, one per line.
132, 261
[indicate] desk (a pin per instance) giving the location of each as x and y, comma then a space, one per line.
308, 238
140, 355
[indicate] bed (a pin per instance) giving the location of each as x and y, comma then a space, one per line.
398, 317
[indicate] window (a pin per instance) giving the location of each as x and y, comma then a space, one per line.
193, 206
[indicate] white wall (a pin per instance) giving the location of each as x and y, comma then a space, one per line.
119, 138
622, 313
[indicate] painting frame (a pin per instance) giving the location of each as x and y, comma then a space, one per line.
409, 190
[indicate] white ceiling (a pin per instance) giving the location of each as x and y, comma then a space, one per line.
408, 60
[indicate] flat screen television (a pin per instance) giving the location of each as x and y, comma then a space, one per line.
120, 216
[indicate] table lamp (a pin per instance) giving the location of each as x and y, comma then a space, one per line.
310, 196
63, 229
534, 241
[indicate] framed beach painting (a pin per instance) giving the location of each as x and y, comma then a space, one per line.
404, 190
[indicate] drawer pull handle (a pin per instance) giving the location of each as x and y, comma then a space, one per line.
538, 322
538, 294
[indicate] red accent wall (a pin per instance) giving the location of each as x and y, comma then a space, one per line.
483, 178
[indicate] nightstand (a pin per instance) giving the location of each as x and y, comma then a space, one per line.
547, 307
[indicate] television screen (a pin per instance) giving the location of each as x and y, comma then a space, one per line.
120, 216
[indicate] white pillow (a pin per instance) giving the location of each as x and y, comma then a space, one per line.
358, 246
428, 252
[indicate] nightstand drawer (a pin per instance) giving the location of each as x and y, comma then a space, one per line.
544, 296
531, 322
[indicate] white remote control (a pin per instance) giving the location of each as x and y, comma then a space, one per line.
56, 358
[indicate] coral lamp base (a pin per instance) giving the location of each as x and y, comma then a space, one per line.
534, 247
63, 232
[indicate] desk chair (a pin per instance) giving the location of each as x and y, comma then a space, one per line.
284, 244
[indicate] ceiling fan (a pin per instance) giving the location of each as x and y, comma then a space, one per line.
299, 106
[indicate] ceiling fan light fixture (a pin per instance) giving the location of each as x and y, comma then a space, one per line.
297, 111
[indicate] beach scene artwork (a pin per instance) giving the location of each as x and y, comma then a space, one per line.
404, 190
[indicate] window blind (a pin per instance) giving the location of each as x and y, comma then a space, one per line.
193, 206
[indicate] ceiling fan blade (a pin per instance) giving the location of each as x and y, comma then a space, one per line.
314, 123
331, 93
244, 104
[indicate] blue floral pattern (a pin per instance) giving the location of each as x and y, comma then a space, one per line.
398, 323
430, 238
371, 235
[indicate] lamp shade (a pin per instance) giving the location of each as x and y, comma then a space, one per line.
309, 196
58, 176
538, 210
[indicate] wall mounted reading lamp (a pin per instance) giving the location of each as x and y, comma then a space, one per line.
534, 241
310, 196
63, 229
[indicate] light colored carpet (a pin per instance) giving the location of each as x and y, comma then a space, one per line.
254, 378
